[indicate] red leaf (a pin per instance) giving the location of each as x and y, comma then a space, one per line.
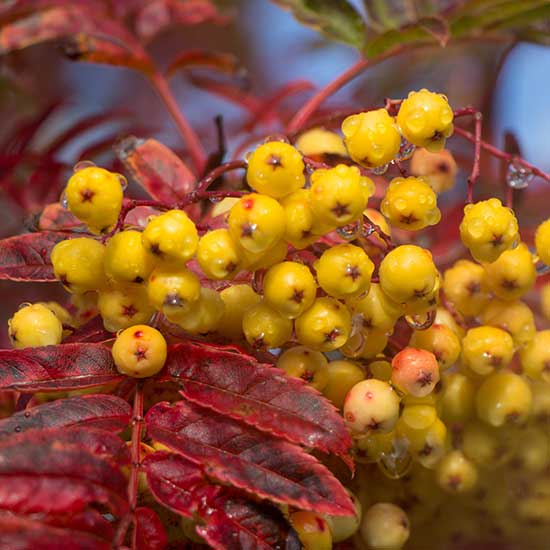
105, 412
27, 257
156, 168
55, 217
259, 394
150, 533
55, 368
21, 533
256, 462
159, 14
219, 61
88, 521
93, 332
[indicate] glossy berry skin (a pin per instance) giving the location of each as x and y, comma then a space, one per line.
265, 327
418, 417
371, 138
441, 341
126, 260
513, 274
438, 169
486, 349
290, 288
488, 229
465, 286
318, 141
385, 526
94, 196
275, 169
371, 406
410, 203
535, 356
307, 364
325, 326
542, 241
339, 195
456, 474
124, 306
344, 271
458, 397
415, 371
257, 222
407, 273
172, 289
341, 377
312, 529
344, 527
34, 326
237, 299
376, 310
139, 351
503, 398
515, 317
171, 237
79, 264
218, 255
380, 369
426, 119
300, 220
427, 444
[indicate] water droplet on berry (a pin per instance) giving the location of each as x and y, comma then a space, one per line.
276, 137
63, 200
258, 280
406, 150
355, 344
349, 231
397, 463
80, 165
172, 301
246, 156
24, 305
518, 177
379, 170
123, 181
421, 321
215, 200
542, 269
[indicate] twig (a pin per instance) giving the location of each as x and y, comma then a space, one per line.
212, 176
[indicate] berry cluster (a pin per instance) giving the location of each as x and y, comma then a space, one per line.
437, 374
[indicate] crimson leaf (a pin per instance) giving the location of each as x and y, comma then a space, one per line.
89, 521
241, 455
98, 411
259, 394
93, 331
55, 368
150, 533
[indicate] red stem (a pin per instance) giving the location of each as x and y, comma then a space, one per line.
213, 175
196, 150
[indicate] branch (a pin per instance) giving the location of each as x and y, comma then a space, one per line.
474, 175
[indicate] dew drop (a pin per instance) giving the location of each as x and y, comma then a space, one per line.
215, 200
518, 177
258, 281
24, 305
349, 231
80, 165
27, 414
246, 156
397, 463
63, 200
17, 429
379, 170
421, 321
276, 137
123, 181
406, 150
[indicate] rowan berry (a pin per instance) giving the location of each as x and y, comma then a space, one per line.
427, 444
344, 527
486, 349
488, 229
94, 196
139, 351
465, 286
299, 219
318, 141
124, 306
257, 222
456, 474
516, 318
341, 377
264, 260
410, 203
385, 526
373, 446
503, 398
458, 397
438, 169
426, 119
289, 287
237, 299
445, 317
263, 326
171, 237
126, 260
380, 369
313, 530
325, 326
218, 255
344, 270
34, 326
371, 406
172, 289
339, 195
415, 371
372, 138
307, 364
535, 356
422, 305
408, 273
542, 241
376, 310
541, 400
441, 341
531, 450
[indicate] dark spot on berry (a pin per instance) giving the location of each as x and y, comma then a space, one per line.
437, 136
64, 281
13, 336
546, 366
473, 287
420, 293
373, 424
230, 267
306, 233
307, 376
139, 279
298, 296
155, 249
497, 240
129, 311
368, 395
332, 335
350, 417
87, 195
512, 417
404, 523
495, 361
353, 271
247, 229
247, 203
320, 524
454, 482
367, 323
140, 353
173, 300
426, 450
340, 210
275, 161
443, 167
258, 342
411, 218
138, 333
509, 284
424, 379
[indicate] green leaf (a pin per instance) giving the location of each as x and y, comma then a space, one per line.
337, 19
394, 14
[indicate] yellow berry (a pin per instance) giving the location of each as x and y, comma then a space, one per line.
344, 527
275, 169
458, 397
418, 417
126, 260
339, 195
289, 287
415, 371
381, 370
307, 364
532, 450
438, 169
535, 356
445, 317
79, 263
171, 237
264, 260
218, 255
341, 377
456, 474
139, 351
516, 318
344, 270
373, 446
256, 222
60, 312
237, 299
488, 229
318, 141
486, 348
372, 138
376, 310
124, 306
94, 196
465, 286
265, 327
426, 444
542, 241
300, 220
34, 326
325, 326
173, 289
541, 400
410, 203
426, 119
312, 529
385, 526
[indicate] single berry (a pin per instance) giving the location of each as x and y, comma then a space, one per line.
385, 526
307, 364
265, 327
34, 326
415, 371
218, 255
126, 260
